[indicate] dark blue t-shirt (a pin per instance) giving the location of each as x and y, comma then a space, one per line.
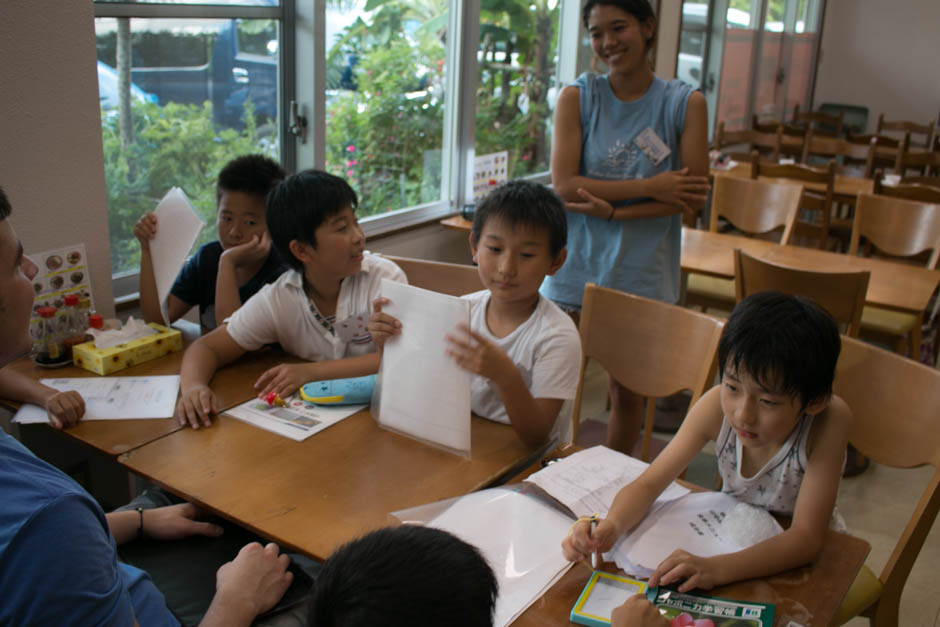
58, 561
195, 284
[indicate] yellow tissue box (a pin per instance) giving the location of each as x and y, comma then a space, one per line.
108, 360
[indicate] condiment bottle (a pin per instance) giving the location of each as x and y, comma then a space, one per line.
50, 352
74, 332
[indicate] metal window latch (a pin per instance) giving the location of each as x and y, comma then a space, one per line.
297, 125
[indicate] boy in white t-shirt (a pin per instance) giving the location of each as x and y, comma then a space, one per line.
524, 352
317, 310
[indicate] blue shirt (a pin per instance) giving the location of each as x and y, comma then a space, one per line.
195, 284
58, 561
639, 256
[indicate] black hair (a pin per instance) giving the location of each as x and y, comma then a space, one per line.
299, 204
640, 9
250, 174
788, 344
404, 576
527, 204
5, 208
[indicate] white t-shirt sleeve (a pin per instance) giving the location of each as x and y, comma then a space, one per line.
254, 324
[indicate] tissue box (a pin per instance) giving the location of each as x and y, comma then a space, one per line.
108, 360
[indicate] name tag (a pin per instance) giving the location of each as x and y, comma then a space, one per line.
652, 146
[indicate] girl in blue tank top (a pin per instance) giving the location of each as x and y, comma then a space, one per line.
630, 158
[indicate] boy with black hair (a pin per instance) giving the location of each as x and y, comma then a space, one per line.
524, 352
317, 310
780, 438
224, 273
403, 576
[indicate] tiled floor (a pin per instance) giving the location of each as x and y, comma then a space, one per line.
876, 506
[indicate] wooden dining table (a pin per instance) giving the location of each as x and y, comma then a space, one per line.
314, 495
893, 285
233, 385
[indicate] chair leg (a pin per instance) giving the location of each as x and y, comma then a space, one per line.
916, 339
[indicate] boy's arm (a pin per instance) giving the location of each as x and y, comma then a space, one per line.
701, 425
802, 542
285, 379
64, 408
200, 361
227, 299
144, 231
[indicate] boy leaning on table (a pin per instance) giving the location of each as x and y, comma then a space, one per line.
523, 351
58, 560
317, 310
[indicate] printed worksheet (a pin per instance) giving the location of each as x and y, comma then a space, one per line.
296, 419
113, 398
424, 393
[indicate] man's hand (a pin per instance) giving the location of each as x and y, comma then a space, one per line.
677, 188
65, 408
283, 380
698, 572
254, 250
174, 522
582, 542
591, 205
254, 581
146, 229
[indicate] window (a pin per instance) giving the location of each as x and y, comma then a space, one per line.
398, 95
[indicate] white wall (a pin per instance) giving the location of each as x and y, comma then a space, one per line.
51, 163
882, 55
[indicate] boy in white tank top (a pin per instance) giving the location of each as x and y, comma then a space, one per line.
781, 438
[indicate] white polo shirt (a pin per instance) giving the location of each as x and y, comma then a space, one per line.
280, 312
546, 349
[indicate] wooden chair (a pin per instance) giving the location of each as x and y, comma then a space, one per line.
819, 203
895, 422
886, 147
903, 126
922, 161
447, 278
848, 156
754, 207
652, 348
929, 181
767, 144
897, 228
842, 294
791, 136
917, 192
824, 124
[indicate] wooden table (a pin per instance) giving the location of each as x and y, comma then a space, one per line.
314, 495
893, 285
809, 595
845, 188
233, 385
458, 223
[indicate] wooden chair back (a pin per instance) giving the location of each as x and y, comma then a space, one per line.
904, 126
652, 348
842, 294
908, 191
929, 181
767, 144
886, 147
897, 227
825, 124
438, 276
922, 161
755, 207
820, 203
840, 151
895, 422
791, 136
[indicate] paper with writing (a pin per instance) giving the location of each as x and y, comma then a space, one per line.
113, 398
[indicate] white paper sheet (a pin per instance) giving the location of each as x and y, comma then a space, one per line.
587, 481
297, 421
178, 225
519, 536
113, 398
424, 393
695, 523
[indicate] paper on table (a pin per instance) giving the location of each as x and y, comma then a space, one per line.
695, 523
519, 536
424, 393
113, 398
587, 481
178, 225
297, 421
